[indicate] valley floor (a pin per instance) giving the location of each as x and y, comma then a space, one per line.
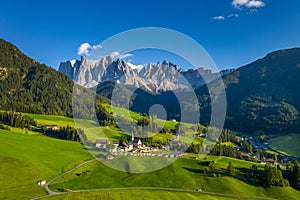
28, 158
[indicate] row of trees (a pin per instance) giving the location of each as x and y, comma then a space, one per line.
17, 119
292, 173
67, 133
224, 150
103, 116
272, 175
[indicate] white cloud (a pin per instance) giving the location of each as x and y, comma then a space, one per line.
218, 18
238, 4
86, 48
233, 15
117, 54
255, 4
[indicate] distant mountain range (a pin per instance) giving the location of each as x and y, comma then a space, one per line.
261, 97
156, 78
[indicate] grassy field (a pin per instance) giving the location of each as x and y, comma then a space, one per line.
135, 116
184, 173
95, 132
51, 119
288, 144
91, 129
44, 158
26, 159
138, 194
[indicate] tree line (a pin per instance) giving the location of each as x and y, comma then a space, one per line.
66, 133
17, 120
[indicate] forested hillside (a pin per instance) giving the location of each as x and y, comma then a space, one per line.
264, 95
32, 87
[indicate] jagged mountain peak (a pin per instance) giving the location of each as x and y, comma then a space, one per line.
153, 77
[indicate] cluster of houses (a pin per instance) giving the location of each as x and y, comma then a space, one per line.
114, 147
135, 148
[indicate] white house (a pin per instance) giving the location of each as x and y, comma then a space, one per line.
102, 144
41, 183
114, 147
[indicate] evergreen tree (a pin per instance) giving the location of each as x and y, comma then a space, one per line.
230, 169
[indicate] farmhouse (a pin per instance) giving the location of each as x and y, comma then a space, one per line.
41, 183
53, 127
129, 147
102, 144
114, 147
109, 157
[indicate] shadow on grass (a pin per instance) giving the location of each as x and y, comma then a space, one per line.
196, 171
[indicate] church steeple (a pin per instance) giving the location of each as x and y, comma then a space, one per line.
132, 136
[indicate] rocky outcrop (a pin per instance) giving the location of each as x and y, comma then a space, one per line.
157, 77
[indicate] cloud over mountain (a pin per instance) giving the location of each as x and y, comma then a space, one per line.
86, 48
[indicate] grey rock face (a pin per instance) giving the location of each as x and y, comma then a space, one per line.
158, 77
70, 68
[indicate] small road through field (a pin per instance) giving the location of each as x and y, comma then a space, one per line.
53, 193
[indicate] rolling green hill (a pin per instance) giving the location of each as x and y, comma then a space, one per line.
288, 144
185, 173
139, 194
26, 159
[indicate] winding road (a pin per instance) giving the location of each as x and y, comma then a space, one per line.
53, 193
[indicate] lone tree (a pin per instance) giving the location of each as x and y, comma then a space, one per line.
230, 169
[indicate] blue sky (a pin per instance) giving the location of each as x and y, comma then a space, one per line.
52, 31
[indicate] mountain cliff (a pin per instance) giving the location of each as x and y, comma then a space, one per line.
156, 78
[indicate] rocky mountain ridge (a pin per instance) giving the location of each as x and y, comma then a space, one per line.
157, 77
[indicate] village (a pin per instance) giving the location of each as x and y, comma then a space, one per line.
260, 152
135, 147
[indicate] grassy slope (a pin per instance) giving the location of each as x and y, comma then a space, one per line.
138, 194
26, 159
288, 144
51, 119
135, 116
93, 132
26, 152
184, 173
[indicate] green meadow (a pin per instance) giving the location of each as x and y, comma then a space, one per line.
184, 173
288, 144
95, 132
51, 119
26, 159
138, 194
